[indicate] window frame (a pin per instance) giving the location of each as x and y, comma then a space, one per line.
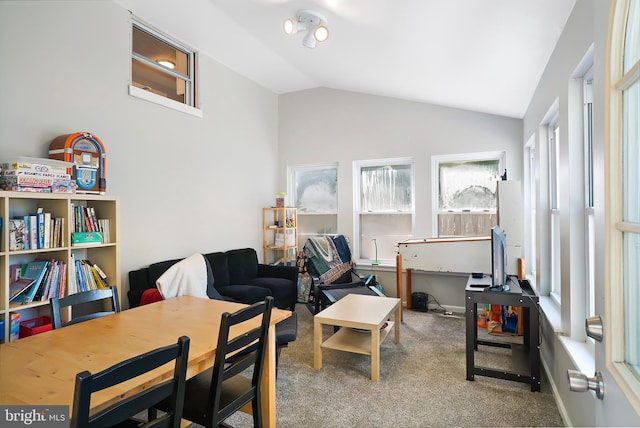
357, 212
555, 250
621, 79
189, 106
436, 160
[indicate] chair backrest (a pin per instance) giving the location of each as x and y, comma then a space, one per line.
329, 257
109, 295
233, 356
173, 389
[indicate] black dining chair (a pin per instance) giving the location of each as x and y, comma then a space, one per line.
234, 380
103, 296
120, 413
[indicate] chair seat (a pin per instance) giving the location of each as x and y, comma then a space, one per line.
197, 389
287, 330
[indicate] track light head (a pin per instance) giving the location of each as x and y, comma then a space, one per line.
312, 22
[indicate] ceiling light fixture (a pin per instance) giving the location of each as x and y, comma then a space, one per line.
167, 63
312, 22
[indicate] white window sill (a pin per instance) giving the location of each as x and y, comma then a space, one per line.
163, 101
582, 354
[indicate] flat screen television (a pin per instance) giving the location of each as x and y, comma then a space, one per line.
499, 278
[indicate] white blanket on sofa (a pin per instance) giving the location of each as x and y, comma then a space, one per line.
188, 277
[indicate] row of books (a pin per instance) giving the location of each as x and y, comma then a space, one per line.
36, 231
40, 280
85, 276
84, 219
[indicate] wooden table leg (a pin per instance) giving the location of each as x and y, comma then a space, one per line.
399, 282
317, 341
375, 354
397, 317
408, 288
269, 381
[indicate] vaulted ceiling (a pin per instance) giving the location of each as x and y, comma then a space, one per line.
481, 55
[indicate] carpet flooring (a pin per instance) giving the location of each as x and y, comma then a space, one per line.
422, 383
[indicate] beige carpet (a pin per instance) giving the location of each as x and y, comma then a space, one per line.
422, 383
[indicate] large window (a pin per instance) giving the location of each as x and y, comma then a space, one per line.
624, 188
313, 189
384, 207
590, 241
161, 66
554, 208
464, 192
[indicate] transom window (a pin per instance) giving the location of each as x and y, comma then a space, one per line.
162, 66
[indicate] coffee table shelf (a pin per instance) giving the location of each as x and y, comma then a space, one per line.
358, 342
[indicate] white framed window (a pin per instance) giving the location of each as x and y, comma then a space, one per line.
531, 205
464, 193
384, 208
313, 190
624, 190
553, 135
589, 212
162, 69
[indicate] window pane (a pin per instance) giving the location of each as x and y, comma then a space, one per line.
316, 190
157, 50
465, 224
631, 298
152, 80
468, 185
631, 147
387, 230
632, 37
386, 188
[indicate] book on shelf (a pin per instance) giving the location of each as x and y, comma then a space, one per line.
16, 234
19, 287
34, 270
33, 231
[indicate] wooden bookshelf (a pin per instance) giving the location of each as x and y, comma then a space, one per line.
104, 254
280, 235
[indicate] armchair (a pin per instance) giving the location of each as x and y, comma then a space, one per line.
331, 267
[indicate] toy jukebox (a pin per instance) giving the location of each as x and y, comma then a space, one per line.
88, 156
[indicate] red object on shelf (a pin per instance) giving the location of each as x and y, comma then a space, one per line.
35, 326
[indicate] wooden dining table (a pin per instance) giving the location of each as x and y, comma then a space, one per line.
41, 369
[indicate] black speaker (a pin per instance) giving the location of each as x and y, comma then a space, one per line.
419, 302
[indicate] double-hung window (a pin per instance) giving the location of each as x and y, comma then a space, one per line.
553, 133
464, 193
313, 190
162, 70
384, 201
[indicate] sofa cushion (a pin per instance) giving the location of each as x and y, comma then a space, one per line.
220, 268
243, 265
281, 290
247, 294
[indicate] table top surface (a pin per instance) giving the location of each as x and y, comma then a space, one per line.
41, 369
361, 309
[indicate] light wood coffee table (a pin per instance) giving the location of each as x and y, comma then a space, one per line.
356, 311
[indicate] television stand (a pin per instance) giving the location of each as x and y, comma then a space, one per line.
526, 356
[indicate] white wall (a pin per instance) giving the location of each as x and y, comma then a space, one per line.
327, 125
585, 35
185, 184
